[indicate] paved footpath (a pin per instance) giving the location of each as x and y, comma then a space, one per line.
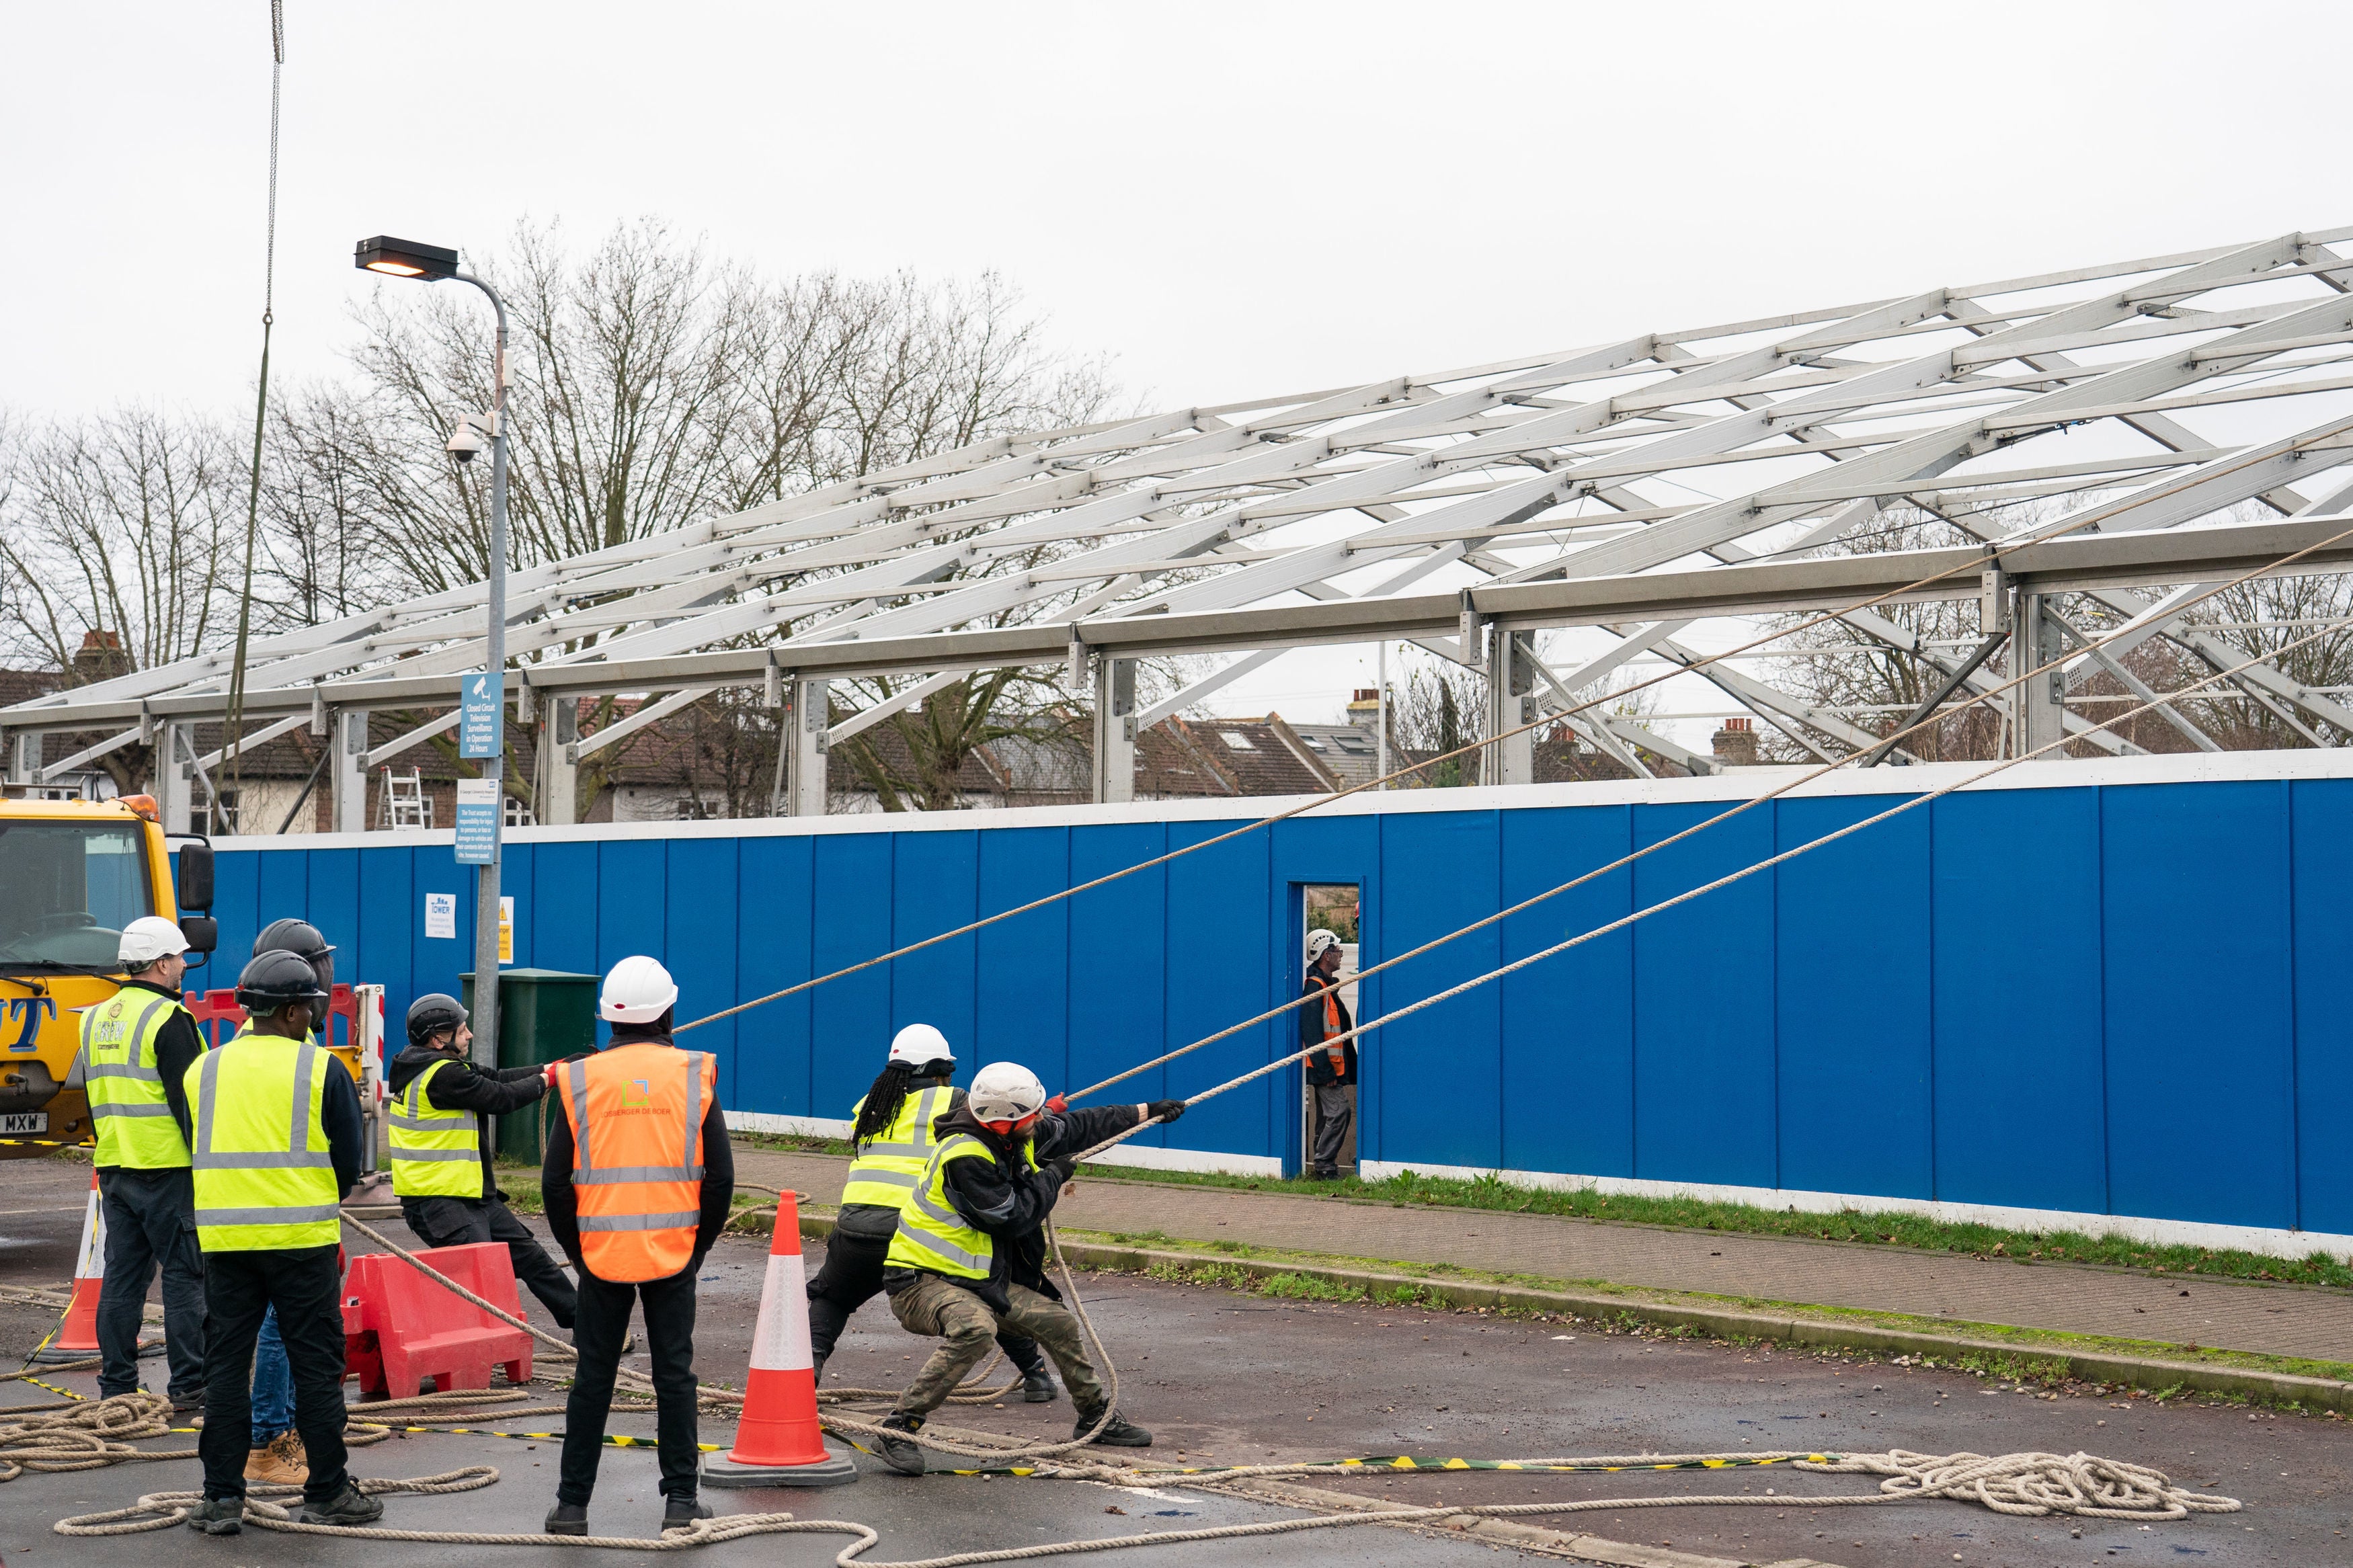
2274, 1320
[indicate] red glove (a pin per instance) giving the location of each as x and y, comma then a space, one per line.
1058, 1105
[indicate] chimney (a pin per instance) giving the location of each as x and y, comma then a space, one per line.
1735, 744
100, 657
1364, 710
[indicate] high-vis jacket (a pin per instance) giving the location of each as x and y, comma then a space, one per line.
128, 1102
264, 1179
890, 1163
932, 1235
634, 1111
435, 1151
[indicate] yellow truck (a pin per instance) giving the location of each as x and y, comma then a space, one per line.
72, 875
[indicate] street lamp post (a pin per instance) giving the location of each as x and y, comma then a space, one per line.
407, 258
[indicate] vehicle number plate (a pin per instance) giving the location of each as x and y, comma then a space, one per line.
25, 1121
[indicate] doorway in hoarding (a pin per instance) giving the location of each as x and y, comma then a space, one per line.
1331, 923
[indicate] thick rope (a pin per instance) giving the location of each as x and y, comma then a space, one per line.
2079, 521
2020, 1485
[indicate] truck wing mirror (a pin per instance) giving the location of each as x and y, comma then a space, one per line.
202, 932
195, 878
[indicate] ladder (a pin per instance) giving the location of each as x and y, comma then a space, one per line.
404, 803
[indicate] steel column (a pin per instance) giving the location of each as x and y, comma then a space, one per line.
2038, 706
1114, 750
558, 797
805, 748
347, 772
1511, 703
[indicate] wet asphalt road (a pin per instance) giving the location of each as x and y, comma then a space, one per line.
1224, 1377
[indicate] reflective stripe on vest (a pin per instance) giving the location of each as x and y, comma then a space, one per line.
890, 1163
264, 1179
932, 1235
128, 1108
435, 1153
1339, 1058
636, 1112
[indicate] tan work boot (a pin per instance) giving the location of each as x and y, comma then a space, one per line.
282, 1463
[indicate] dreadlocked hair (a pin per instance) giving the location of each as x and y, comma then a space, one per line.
882, 1101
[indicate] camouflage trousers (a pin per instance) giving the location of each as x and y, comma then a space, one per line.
936, 1308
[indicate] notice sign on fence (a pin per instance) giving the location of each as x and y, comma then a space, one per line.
441, 916
481, 701
478, 820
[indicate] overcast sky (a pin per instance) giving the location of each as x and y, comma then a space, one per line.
1230, 200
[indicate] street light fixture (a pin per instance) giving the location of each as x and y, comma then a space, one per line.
408, 258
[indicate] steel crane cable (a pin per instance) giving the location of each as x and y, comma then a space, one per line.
232, 738
1908, 803
2069, 524
1774, 793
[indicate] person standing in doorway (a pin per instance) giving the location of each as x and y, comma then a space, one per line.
135, 1048
1331, 1071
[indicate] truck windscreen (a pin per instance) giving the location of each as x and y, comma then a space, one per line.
67, 890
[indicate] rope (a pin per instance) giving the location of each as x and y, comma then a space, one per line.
1723, 817
1910, 803
2084, 520
2031, 1485
235, 718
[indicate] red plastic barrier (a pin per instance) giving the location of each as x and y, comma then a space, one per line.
211, 1009
400, 1328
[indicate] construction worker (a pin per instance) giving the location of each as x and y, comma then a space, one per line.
136, 1047
1332, 1071
638, 1181
969, 1259
441, 1169
276, 1147
891, 1126
276, 1457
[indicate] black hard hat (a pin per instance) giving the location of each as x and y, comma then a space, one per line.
433, 1013
275, 978
306, 940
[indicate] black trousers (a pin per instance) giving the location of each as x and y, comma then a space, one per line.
852, 1276
303, 1283
464, 1222
151, 1219
597, 1331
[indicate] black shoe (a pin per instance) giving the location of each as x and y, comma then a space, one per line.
348, 1507
1037, 1386
678, 1513
183, 1403
567, 1519
1119, 1432
897, 1452
218, 1516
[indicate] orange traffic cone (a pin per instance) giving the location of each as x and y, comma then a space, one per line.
777, 1443
76, 1339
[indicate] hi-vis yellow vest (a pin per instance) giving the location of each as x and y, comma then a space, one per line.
134, 1123
264, 1180
435, 1153
890, 1163
932, 1235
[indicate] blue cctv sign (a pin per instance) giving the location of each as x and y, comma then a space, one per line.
481, 700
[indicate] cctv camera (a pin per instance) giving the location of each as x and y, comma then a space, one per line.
465, 442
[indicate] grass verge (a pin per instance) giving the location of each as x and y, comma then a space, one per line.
1992, 1349
1873, 1228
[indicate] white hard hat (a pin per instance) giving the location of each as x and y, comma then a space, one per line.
637, 991
149, 937
920, 1043
1006, 1093
1318, 939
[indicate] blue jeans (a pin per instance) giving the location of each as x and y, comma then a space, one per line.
273, 1384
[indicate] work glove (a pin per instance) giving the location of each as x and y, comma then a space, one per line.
1057, 1104
1061, 1170
1167, 1110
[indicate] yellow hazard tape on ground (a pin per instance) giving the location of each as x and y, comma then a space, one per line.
1412, 1462
612, 1439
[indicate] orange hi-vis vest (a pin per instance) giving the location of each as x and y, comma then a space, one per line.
1335, 1051
636, 1113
